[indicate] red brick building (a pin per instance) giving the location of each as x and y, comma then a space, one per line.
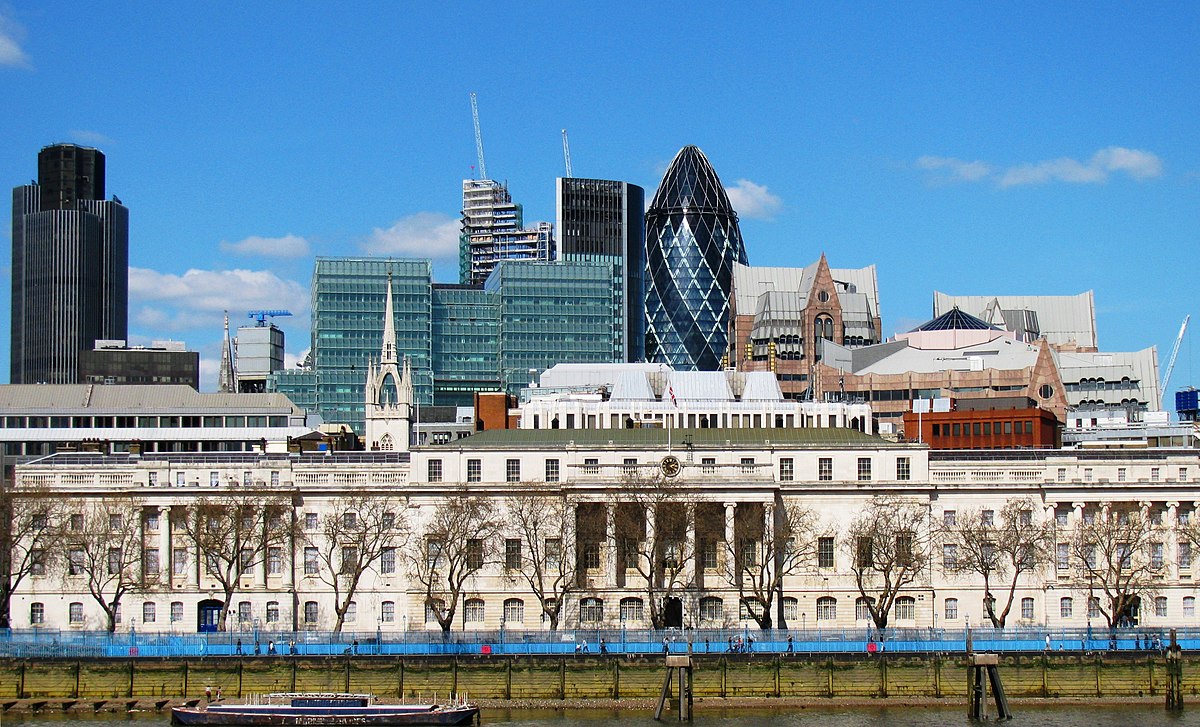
1030, 428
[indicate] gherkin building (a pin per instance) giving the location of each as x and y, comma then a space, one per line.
692, 242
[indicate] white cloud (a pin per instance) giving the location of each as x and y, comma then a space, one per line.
93, 138
292, 360
11, 53
752, 200
196, 299
425, 234
287, 246
1135, 163
957, 168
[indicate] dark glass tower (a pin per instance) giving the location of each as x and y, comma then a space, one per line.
692, 242
602, 220
70, 266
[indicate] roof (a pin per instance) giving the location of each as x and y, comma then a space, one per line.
1061, 318
955, 320
1001, 354
859, 294
655, 438
647, 381
159, 398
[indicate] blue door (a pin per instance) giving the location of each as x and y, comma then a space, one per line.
209, 615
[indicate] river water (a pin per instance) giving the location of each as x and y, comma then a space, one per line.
1109, 715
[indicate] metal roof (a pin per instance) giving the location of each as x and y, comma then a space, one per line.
1061, 318
656, 438
133, 398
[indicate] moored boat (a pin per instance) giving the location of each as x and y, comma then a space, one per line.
319, 710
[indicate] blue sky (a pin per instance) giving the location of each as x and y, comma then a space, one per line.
972, 148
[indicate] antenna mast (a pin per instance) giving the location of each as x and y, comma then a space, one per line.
478, 137
567, 154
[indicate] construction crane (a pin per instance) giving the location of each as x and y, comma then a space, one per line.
261, 316
1166, 379
478, 137
567, 154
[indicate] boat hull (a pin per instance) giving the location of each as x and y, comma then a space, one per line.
189, 717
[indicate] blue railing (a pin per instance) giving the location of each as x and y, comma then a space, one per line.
54, 643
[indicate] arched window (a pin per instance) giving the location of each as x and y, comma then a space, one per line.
1189, 606
433, 609
272, 612
824, 327
826, 608
632, 610
473, 610
712, 610
386, 444
149, 612
906, 608
1160, 606
791, 608
75, 612
951, 609
1066, 606
387, 612
862, 609
1027, 609
591, 611
514, 610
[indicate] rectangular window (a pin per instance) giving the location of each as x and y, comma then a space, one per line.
864, 469
243, 612
552, 470
824, 469
1156, 555
474, 559
825, 552
1185, 555
1160, 606
152, 521
1062, 556
387, 561
708, 554
434, 470
949, 556
787, 469
272, 612
987, 518
387, 612
747, 465
512, 554
310, 612
75, 613
179, 559
903, 469
1183, 474
1121, 474
1062, 474
151, 561
512, 470
590, 555
708, 465
629, 467
274, 560
1087, 474
949, 518
311, 521
349, 559
951, 609
975, 428
214, 479
474, 470
863, 556
311, 568
1027, 609
1060, 517
553, 554
176, 611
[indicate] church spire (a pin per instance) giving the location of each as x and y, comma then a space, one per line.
388, 354
226, 380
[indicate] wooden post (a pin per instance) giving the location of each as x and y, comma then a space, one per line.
616, 690
1174, 675
293, 682
21, 681
400, 678
562, 678
185, 678
1096, 666
346, 679
239, 688
829, 675
453, 678
131, 667
75, 691
508, 678
724, 677
937, 676
883, 676
681, 665
776, 676
1045, 667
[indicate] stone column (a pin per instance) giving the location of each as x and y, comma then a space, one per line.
689, 545
1077, 519
164, 545
610, 543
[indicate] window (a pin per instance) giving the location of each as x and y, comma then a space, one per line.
1025, 518
552, 470
115, 522
590, 554
1087, 474
1065, 606
712, 610
826, 608
906, 608
591, 466
149, 612
474, 559
904, 551
114, 561
274, 560
864, 469
863, 555
787, 469
179, 559
949, 518
243, 613
1160, 606
387, 612
75, 612
350, 520
1062, 556
512, 554
37, 613
177, 611
310, 521
708, 554
903, 469
1093, 607
311, 568
791, 608
1183, 474
949, 556
1060, 517
987, 518
825, 552
245, 559
862, 609
1185, 555
514, 610
434, 609
150, 561
351, 614
387, 561
708, 465
1121, 474
632, 610
151, 520
474, 470
77, 521
434, 467
310, 612
1062, 474
75, 562
349, 559
274, 478
1156, 555
553, 554
825, 469
1027, 609
1189, 606
629, 466
748, 465
591, 610
512, 470
748, 610
951, 609
272, 612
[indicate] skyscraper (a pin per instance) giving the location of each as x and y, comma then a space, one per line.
692, 242
603, 221
492, 231
70, 266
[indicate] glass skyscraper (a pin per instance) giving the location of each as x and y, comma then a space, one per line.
692, 242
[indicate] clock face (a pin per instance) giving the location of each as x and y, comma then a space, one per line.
670, 466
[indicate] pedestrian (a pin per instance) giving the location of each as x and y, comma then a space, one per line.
730, 649
666, 649
791, 646
257, 647
585, 646
292, 648
749, 644
354, 645
239, 647
1047, 642
271, 646
603, 647
208, 694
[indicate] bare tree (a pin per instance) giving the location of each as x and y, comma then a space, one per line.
651, 532
544, 521
888, 546
30, 541
103, 539
779, 540
234, 532
454, 543
1118, 553
999, 547
357, 533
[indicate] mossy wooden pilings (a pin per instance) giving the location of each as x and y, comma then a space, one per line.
1174, 675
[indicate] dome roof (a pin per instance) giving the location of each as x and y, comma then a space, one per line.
691, 184
955, 320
